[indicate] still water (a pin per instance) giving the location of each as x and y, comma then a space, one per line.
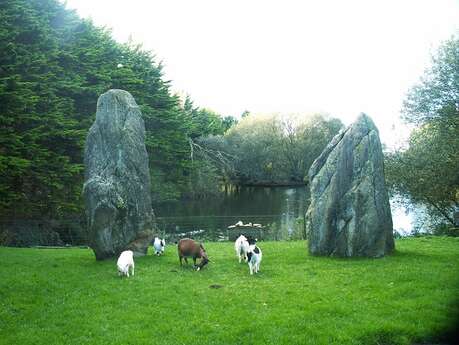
279, 210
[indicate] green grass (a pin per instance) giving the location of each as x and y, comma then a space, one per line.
65, 297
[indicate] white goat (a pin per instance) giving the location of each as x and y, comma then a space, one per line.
125, 261
241, 246
254, 256
159, 245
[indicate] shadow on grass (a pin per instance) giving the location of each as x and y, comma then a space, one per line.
390, 336
395, 336
448, 334
415, 254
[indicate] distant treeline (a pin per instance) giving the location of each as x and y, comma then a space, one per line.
53, 67
269, 150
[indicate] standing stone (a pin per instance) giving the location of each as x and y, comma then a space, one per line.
117, 178
349, 214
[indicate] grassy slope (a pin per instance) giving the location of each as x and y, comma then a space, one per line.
66, 297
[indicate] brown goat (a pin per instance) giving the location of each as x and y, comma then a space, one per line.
189, 248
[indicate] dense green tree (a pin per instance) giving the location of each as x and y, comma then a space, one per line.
53, 67
204, 122
270, 149
228, 122
37, 170
437, 94
204, 177
426, 172
304, 140
255, 145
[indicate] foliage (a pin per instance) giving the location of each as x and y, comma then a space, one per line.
305, 140
36, 175
446, 230
53, 67
271, 149
310, 300
427, 171
204, 121
228, 122
204, 178
254, 144
438, 91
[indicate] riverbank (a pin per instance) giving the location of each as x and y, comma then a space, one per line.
268, 184
66, 297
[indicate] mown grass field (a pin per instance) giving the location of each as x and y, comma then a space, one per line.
52, 296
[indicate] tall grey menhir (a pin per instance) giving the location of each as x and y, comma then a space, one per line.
349, 214
117, 179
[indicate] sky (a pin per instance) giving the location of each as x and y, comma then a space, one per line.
337, 57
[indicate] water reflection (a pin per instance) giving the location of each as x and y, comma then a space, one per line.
280, 210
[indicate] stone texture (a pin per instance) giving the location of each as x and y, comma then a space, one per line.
117, 179
349, 214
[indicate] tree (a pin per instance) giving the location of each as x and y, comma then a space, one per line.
427, 171
53, 67
205, 122
203, 176
270, 149
228, 122
245, 113
37, 177
304, 140
254, 143
437, 94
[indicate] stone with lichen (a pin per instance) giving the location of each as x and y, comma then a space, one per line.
349, 214
117, 178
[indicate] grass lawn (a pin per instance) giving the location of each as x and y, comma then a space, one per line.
63, 296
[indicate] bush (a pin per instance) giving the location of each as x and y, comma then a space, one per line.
446, 230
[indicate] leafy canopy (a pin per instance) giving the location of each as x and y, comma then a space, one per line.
53, 67
427, 172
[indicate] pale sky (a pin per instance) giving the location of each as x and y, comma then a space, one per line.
339, 57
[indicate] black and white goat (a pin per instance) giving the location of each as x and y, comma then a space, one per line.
159, 245
254, 256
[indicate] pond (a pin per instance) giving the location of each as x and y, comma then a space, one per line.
279, 210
